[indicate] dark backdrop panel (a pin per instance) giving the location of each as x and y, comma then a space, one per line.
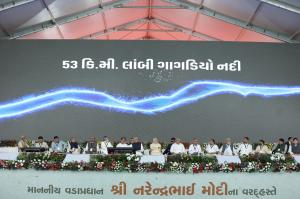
34, 66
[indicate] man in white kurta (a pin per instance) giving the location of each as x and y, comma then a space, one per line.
195, 148
227, 148
104, 145
123, 143
211, 148
40, 143
245, 148
177, 147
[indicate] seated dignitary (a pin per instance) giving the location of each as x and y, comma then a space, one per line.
262, 148
40, 143
227, 148
177, 147
73, 146
167, 150
211, 148
155, 147
295, 147
137, 146
58, 145
104, 145
23, 143
279, 147
245, 148
123, 143
131, 140
195, 148
92, 146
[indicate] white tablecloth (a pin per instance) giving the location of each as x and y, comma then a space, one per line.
297, 158
8, 155
153, 158
77, 158
228, 159
9, 150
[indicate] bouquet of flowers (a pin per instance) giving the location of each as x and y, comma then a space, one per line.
177, 167
277, 157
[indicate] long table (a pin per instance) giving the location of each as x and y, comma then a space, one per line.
9, 153
77, 158
153, 158
228, 159
86, 158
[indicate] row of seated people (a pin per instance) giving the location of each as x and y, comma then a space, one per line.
72, 146
174, 147
227, 148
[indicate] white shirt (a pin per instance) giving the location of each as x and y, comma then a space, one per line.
120, 145
244, 149
104, 146
177, 148
41, 145
227, 151
212, 148
195, 149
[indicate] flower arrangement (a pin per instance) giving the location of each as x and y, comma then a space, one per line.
229, 167
264, 167
13, 164
177, 167
79, 166
99, 166
173, 164
250, 167
277, 157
